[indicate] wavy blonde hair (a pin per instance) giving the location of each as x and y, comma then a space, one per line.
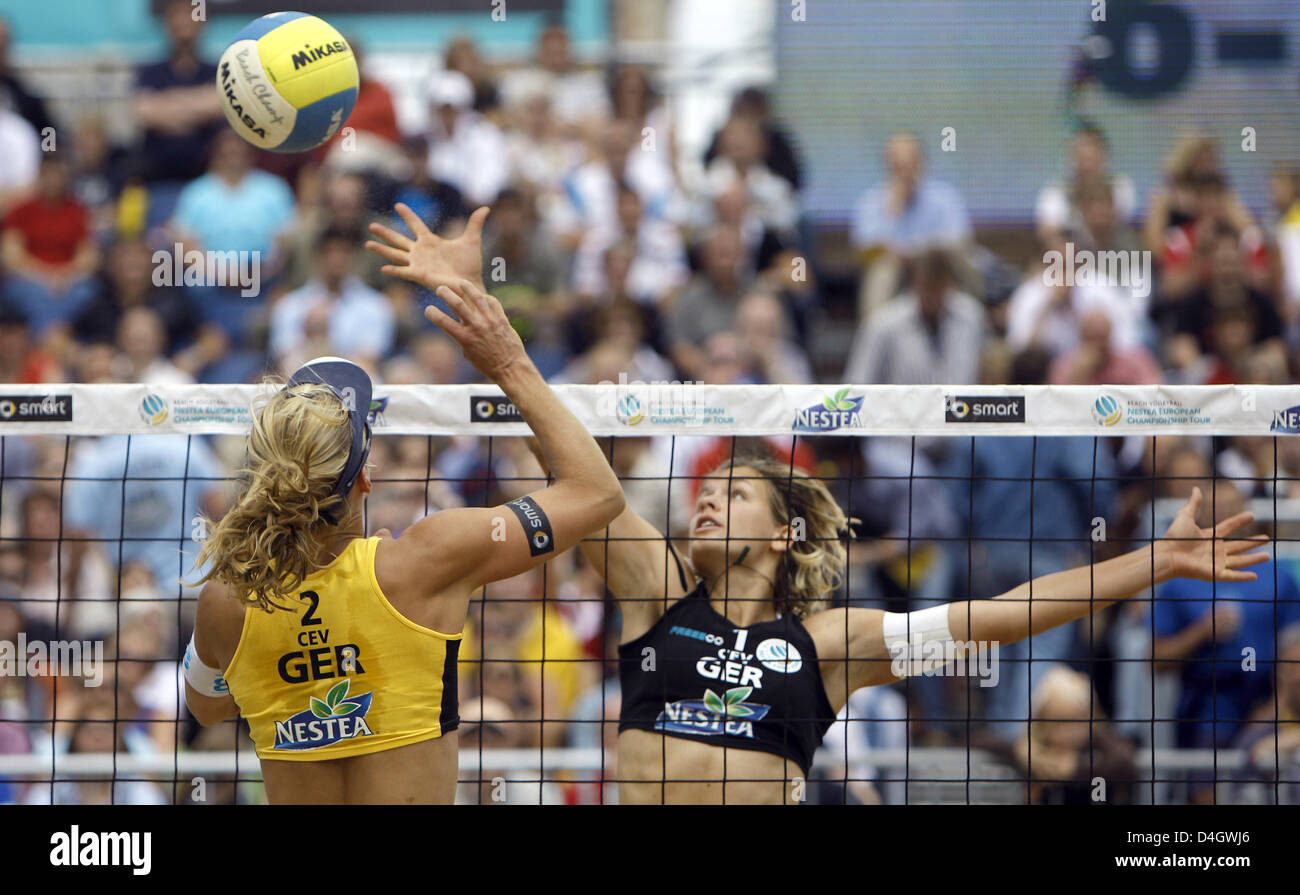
269, 541
814, 563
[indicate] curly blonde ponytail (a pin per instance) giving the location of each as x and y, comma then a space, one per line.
270, 540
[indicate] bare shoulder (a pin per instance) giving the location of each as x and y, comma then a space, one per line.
218, 624
844, 633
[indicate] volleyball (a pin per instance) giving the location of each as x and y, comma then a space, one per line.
288, 82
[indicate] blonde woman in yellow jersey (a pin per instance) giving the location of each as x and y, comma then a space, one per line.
340, 650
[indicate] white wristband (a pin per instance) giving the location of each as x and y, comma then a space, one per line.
918, 642
208, 681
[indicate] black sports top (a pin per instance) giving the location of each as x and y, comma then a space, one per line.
758, 687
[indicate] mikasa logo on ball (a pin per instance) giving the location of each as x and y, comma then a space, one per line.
311, 54
780, 655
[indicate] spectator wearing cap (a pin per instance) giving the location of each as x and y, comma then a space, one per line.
335, 310
49, 250
465, 149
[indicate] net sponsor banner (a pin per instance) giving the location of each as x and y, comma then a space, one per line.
641, 409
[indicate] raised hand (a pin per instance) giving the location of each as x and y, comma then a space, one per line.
429, 259
482, 330
1205, 553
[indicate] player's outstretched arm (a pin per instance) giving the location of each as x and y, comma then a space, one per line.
1186, 551
464, 549
881, 647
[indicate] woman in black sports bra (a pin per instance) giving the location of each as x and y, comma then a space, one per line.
732, 668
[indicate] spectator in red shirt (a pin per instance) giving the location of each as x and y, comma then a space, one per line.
49, 251
376, 139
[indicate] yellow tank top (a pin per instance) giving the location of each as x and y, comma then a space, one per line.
344, 673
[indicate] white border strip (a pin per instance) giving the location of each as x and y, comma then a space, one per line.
653, 409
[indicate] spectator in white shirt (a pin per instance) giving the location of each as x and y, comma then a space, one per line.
20, 147
1048, 316
577, 97
740, 162
1058, 210
658, 266
592, 189
335, 313
465, 149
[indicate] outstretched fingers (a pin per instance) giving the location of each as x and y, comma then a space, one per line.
413, 221
391, 236
1232, 523
444, 321
388, 253
474, 226
458, 302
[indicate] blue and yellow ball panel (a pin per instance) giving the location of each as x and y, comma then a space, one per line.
288, 82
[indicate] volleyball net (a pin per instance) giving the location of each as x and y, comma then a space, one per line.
1188, 692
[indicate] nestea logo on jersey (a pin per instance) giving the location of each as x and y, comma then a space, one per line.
713, 715
330, 720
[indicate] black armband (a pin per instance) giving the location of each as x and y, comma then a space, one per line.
535, 523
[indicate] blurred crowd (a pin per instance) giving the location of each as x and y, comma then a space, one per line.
613, 256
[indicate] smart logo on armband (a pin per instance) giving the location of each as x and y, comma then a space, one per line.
535, 523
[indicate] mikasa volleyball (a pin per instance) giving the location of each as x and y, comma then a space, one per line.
288, 82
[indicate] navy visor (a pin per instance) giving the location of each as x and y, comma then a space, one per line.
352, 385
